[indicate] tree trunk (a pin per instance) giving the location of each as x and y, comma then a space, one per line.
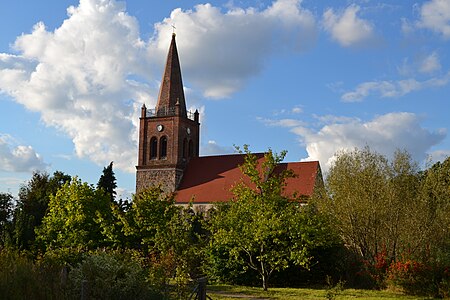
265, 276
265, 283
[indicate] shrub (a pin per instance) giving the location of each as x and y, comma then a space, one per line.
417, 278
21, 278
112, 275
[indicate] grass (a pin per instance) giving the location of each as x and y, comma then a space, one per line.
228, 292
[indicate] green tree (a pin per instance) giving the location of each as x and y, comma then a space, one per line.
147, 218
32, 205
78, 217
263, 229
6, 211
108, 182
373, 202
165, 233
435, 211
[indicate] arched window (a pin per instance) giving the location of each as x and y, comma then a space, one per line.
163, 147
191, 148
153, 148
185, 148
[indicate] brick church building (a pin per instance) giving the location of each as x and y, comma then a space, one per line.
168, 154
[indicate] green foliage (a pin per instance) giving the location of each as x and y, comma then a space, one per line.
21, 278
32, 206
6, 212
76, 217
146, 222
333, 289
110, 275
390, 213
165, 233
98, 275
435, 210
107, 181
372, 201
262, 229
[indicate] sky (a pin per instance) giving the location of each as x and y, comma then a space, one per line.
312, 77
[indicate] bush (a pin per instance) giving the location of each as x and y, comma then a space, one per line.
417, 278
113, 275
411, 276
21, 278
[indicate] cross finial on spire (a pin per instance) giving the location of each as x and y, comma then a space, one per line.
173, 29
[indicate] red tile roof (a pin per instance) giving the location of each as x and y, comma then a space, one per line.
208, 179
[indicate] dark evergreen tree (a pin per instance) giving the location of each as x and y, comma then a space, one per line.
6, 210
32, 205
107, 181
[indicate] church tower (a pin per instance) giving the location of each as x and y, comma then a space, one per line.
169, 135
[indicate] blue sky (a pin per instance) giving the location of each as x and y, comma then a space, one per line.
310, 77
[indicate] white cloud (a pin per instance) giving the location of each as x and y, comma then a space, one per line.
77, 79
347, 28
435, 16
297, 110
384, 134
439, 155
18, 158
212, 148
392, 89
222, 50
89, 77
282, 122
430, 63
425, 64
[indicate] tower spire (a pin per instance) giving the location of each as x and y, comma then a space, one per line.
171, 92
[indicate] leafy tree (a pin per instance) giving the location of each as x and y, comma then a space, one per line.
374, 202
6, 211
32, 205
435, 211
165, 233
78, 216
108, 181
148, 217
263, 229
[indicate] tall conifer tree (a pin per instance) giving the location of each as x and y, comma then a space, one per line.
107, 181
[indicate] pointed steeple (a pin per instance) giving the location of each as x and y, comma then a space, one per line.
171, 95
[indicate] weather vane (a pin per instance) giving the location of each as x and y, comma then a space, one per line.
173, 28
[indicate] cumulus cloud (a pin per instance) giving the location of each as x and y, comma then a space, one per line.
18, 158
89, 77
222, 50
392, 89
435, 16
76, 77
347, 28
384, 134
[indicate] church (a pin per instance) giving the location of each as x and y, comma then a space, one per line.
168, 151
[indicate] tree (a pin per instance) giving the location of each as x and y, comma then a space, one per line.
165, 233
262, 228
108, 181
373, 202
435, 211
78, 215
32, 205
6, 211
